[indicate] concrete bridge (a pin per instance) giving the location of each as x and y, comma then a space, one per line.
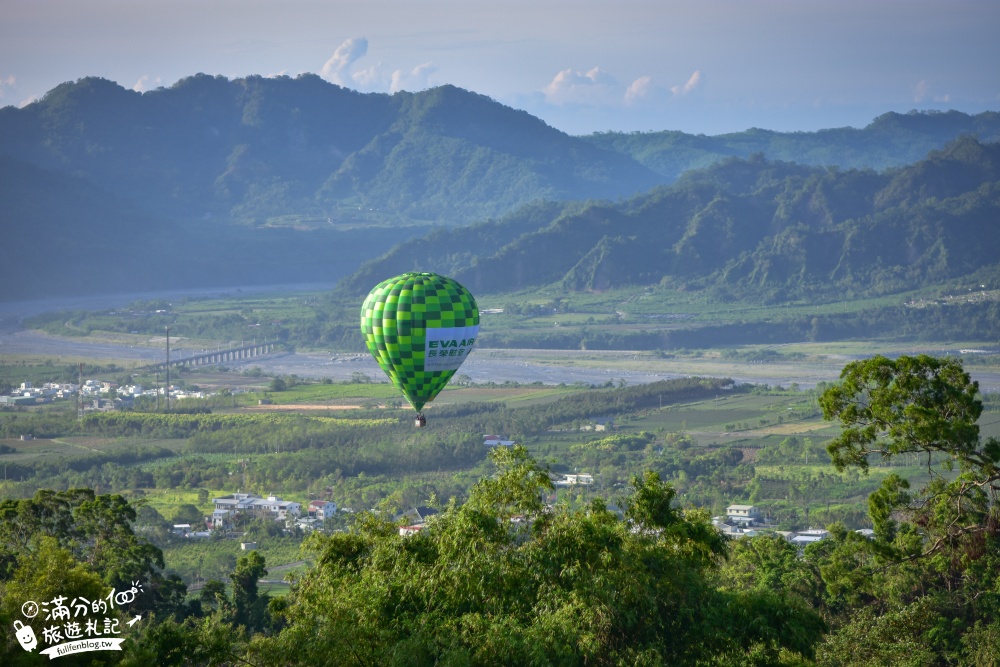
223, 356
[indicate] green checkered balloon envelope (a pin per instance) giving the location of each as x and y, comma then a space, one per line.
420, 327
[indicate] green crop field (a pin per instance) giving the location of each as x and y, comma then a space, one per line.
512, 395
39, 448
334, 393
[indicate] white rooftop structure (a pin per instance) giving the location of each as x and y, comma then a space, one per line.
809, 536
573, 480
743, 514
248, 502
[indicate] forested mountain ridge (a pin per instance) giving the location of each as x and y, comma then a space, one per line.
455, 156
891, 140
257, 148
743, 226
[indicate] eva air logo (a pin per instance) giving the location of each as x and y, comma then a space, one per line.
447, 347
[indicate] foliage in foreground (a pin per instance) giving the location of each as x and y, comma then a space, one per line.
499, 580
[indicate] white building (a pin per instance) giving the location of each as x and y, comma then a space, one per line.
322, 509
277, 508
271, 507
574, 480
308, 523
235, 502
181, 529
804, 537
742, 514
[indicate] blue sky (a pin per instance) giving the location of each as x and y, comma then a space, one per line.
701, 66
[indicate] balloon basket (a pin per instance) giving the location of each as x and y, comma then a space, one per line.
420, 421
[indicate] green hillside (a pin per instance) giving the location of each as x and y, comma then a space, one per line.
757, 229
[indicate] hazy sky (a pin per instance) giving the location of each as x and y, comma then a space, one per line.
706, 66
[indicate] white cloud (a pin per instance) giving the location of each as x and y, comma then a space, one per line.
416, 79
370, 77
7, 83
639, 89
346, 54
142, 85
922, 93
599, 88
596, 87
693, 82
600, 77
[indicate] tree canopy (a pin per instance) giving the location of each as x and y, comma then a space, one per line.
501, 579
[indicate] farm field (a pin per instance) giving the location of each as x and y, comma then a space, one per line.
763, 446
333, 394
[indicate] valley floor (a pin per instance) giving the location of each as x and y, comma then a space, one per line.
819, 363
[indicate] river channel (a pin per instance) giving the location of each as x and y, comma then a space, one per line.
484, 365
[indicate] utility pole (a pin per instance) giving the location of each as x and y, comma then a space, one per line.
243, 463
167, 392
79, 395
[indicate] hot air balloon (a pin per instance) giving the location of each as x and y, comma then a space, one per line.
420, 327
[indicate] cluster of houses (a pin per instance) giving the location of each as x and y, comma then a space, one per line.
28, 394
229, 508
746, 521
99, 394
740, 520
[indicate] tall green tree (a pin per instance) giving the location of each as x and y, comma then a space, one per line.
928, 578
249, 607
926, 407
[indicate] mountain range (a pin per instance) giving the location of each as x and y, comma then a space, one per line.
255, 180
